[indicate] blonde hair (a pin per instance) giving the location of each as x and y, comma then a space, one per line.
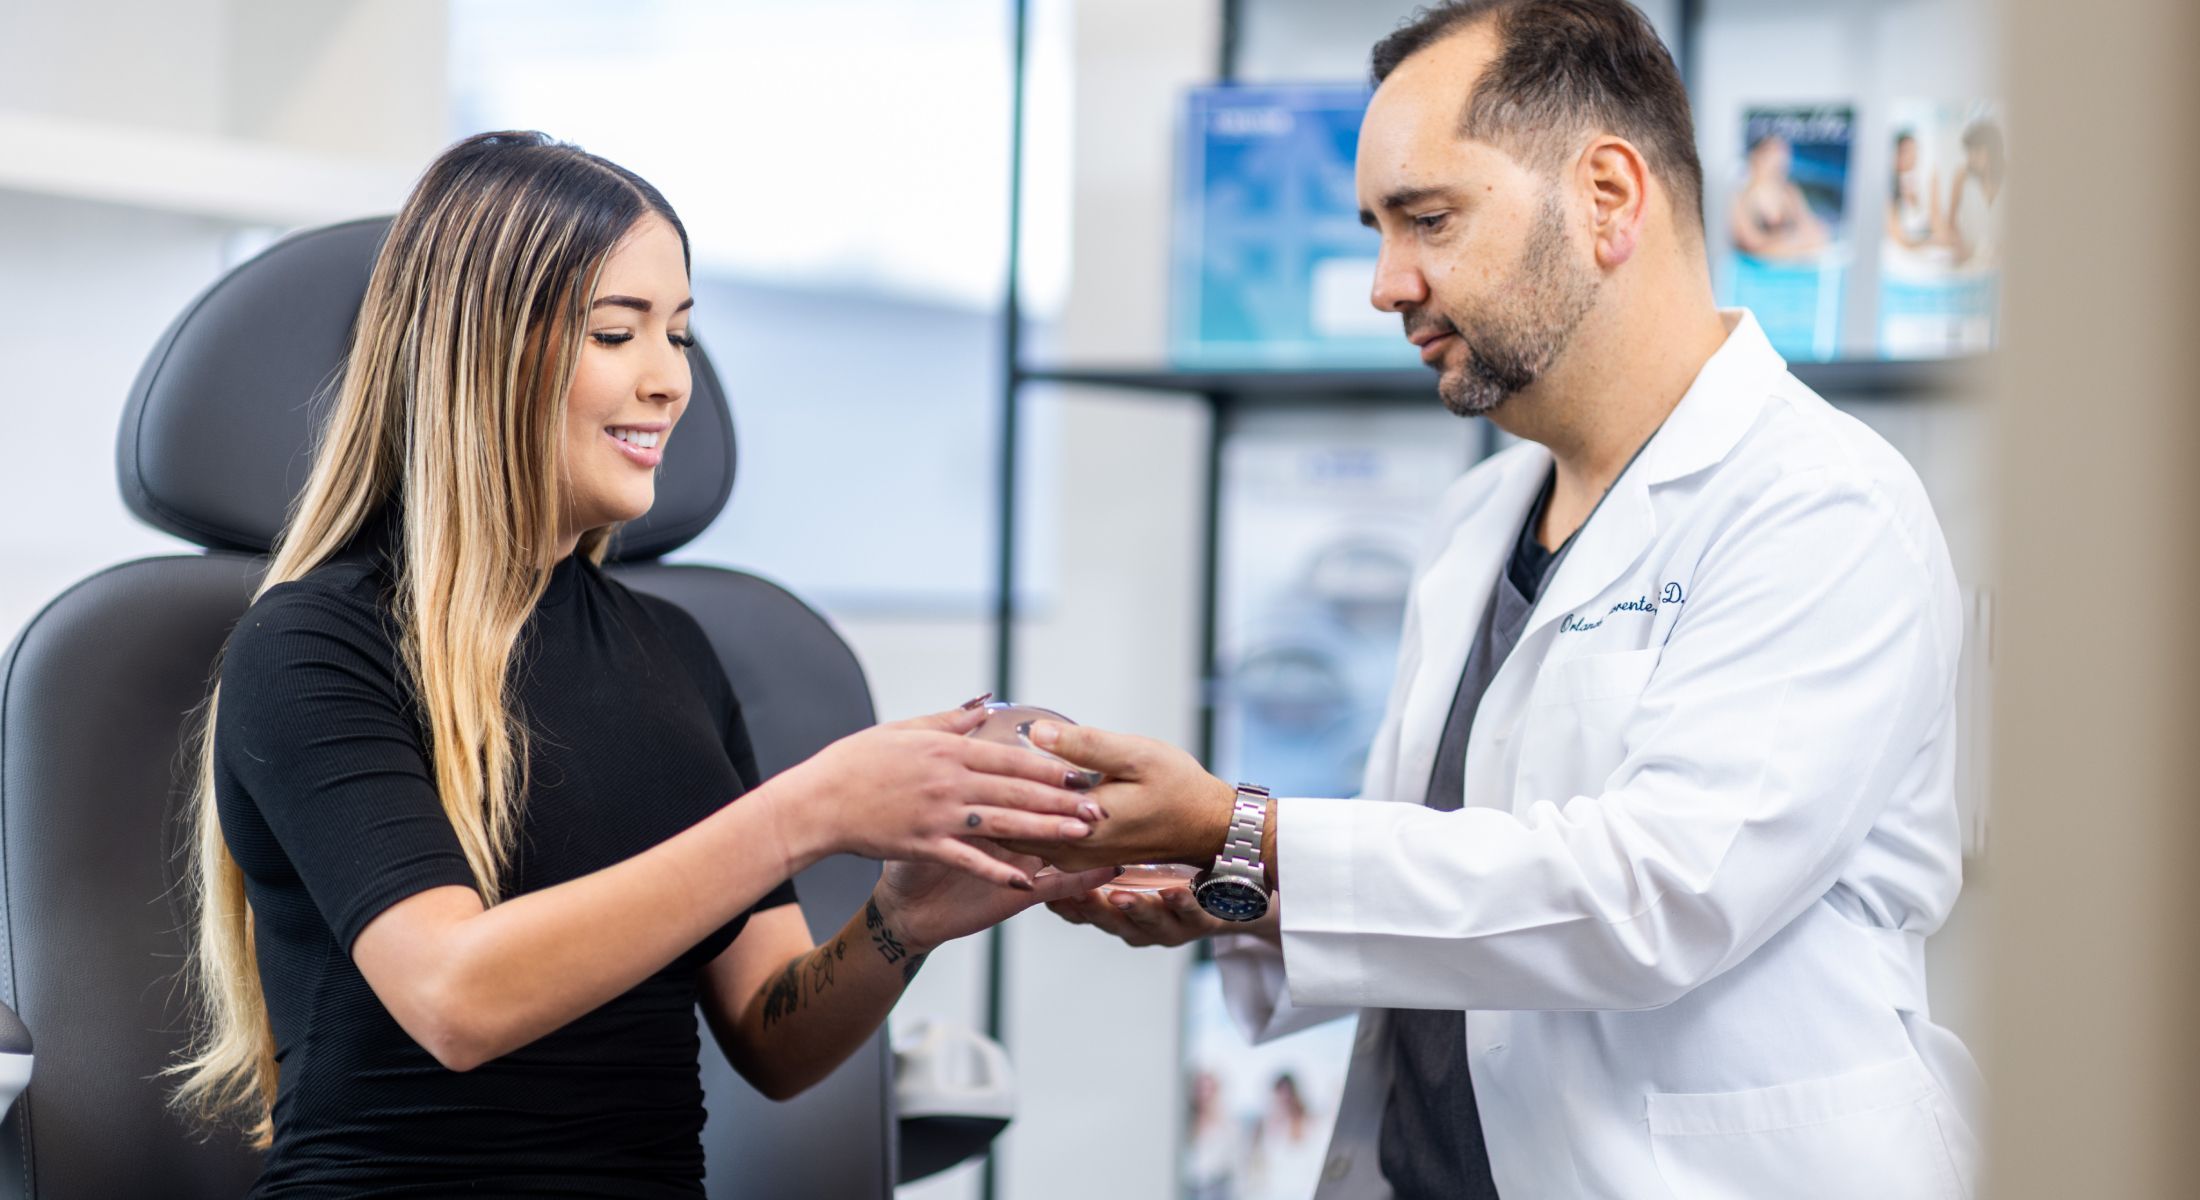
452, 405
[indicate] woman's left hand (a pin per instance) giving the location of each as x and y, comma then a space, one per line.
929, 904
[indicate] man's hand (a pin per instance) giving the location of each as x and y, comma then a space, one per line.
1158, 804
1170, 918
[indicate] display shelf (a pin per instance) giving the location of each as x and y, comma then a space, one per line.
1853, 379
1301, 386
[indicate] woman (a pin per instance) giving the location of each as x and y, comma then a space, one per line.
466, 858
1771, 219
1974, 199
1913, 203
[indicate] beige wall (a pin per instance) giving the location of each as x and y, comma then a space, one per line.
2093, 1057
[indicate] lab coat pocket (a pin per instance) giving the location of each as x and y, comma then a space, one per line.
1870, 1133
1590, 677
1575, 730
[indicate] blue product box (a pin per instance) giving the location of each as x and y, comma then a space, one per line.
1273, 267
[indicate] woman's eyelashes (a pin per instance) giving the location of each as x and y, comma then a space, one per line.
681, 338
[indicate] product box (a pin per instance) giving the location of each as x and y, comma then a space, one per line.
1273, 267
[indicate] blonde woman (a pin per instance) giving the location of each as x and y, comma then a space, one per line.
478, 827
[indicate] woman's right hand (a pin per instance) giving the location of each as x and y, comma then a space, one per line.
915, 790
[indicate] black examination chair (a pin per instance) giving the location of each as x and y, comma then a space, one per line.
94, 695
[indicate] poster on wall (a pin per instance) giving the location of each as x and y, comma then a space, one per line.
1787, 226
1260, 1116
1940, 246
1273, 267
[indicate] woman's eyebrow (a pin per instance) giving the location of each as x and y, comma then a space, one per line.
637, 303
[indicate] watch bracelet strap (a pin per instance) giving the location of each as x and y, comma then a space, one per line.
1241, 847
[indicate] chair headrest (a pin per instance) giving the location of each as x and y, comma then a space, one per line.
218, 434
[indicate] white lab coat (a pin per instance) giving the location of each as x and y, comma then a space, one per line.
1710, 820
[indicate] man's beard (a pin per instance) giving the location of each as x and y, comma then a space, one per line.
1509, 349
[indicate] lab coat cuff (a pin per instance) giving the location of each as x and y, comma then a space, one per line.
1317, 845
1251, 971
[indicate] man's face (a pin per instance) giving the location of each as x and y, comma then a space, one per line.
1480, 254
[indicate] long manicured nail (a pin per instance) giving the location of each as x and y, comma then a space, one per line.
1022, 884
1076, 829
1045, 733
1123, 902
976, 702
1118, 873
1091, 812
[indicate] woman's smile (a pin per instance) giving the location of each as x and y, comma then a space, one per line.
641, 444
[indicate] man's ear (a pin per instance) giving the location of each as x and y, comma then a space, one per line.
1617, 180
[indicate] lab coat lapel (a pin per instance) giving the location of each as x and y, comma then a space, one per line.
1448, 603
1615, 538
1617, 534
1719, 407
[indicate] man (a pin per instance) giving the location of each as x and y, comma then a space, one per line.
1634, 901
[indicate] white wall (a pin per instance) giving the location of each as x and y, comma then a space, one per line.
1327, 41
93, 284
96, 282
107, 281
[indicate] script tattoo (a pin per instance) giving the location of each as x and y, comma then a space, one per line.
890, 947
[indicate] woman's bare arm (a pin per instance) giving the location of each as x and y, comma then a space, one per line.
787, 1012
471, 983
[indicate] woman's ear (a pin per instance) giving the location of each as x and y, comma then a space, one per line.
1617, 180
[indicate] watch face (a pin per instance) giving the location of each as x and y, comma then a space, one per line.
1233, 899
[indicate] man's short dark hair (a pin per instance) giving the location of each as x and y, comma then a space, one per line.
1564, 67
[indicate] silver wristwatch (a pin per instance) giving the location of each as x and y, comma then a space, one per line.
1236, 887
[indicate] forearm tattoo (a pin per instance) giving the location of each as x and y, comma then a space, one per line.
890, 946
807, 977
786, 994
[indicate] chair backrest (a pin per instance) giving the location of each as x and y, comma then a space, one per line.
95, 698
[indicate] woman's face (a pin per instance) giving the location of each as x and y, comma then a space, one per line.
630, 383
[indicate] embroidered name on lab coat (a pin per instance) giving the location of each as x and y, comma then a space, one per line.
1640, 604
